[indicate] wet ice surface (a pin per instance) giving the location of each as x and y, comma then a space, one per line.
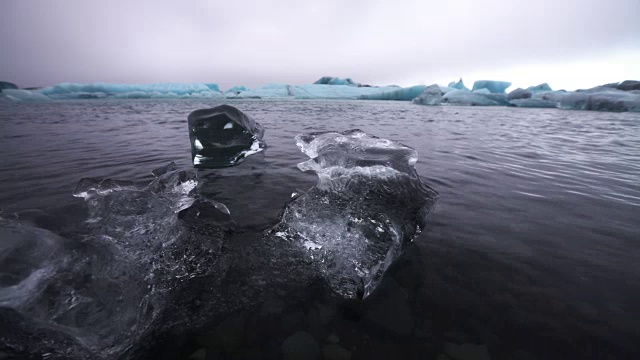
223, 136
531, 251
368, 204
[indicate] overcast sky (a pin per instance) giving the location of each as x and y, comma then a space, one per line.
569, 44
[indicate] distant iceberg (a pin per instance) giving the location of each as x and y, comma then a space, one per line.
477, 98
7, 85
122, 91
495, 87
458, 85
403, 94
330, 80
432, 95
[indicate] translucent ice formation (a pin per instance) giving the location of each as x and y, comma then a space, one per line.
432, 95
108, 280
368, 204
223, 136
495, 87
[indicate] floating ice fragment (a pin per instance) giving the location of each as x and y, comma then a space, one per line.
223, 136
369, 202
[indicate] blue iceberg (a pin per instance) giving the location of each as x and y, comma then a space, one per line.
236, 90
266, 91
24, 95
478, 98
432, 95
403, 94
121, 91
495, 87
223, 136
458, 85
544, 87
7, 85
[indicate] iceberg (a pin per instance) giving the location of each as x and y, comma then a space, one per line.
404, 94
330, 80
309, 91
266, 91
223, 136
628, 85
313, 91
432, 95
519, 93
458, 85
463, 97
544, 87
495, 87
369, 203
612, 100
7, 85
24, 95
121, 91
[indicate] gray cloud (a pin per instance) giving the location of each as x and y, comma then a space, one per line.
44, 42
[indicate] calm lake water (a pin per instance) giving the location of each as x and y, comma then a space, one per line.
532, 251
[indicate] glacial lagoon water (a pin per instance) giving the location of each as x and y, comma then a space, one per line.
531, 251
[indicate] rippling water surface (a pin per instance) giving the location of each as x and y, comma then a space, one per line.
532, 250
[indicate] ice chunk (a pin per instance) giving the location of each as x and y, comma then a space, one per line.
223, 136
118, 271
368, 204
24, 95
495, 87
463, 97
458, 85
432, 95
330, 80
544, 87
406, 94
7, 85
519, 93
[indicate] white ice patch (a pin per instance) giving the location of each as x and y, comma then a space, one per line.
198, 144
229, 125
